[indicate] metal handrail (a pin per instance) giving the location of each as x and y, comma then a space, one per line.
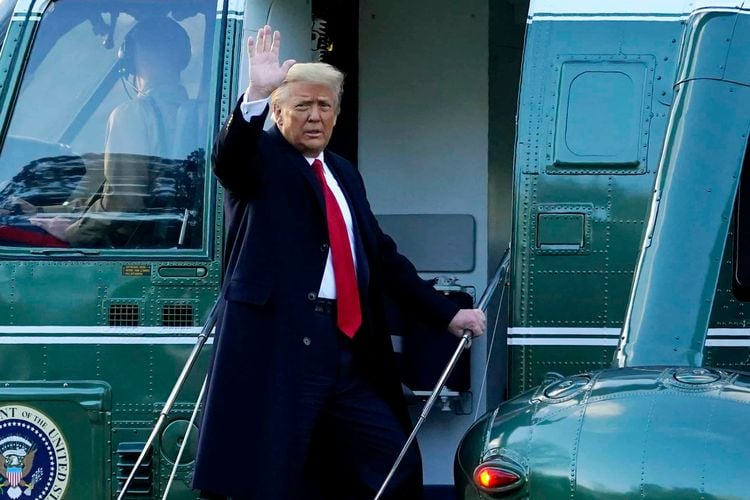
465, 343
500, 273
497, 278
200, 342
185, 439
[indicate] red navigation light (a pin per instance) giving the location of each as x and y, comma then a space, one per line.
490, 477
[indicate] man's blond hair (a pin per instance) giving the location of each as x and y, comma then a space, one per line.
318, 73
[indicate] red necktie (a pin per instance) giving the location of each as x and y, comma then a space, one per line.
349, 312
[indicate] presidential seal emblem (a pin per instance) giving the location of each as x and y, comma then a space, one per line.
34, 460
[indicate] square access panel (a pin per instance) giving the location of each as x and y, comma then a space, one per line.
562, 228
563, 231
603, 111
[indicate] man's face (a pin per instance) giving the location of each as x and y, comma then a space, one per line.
306, 117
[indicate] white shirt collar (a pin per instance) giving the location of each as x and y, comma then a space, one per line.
319, 157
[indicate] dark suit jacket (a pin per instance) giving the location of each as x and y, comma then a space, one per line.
276, 250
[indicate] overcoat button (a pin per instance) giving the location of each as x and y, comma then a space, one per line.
324, 247
312, 296
306, 341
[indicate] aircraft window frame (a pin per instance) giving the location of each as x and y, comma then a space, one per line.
6, 12
204, 89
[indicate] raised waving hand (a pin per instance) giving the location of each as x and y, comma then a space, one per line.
266, 74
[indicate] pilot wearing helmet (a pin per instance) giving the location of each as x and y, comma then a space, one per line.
152, 56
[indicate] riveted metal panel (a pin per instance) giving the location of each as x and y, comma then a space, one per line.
551, 220
54, 411
706, 45
55, 307
560, 231
737, 68
587, 288
603, 114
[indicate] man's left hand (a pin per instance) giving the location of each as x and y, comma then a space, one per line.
55, 226
473, 320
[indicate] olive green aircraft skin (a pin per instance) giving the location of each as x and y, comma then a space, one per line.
105, 397
657, 424
658, 433
583, 183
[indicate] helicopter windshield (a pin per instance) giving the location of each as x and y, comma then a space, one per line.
106, 143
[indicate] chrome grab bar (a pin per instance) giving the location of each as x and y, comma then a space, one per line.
497, 278
465, 343
205, 333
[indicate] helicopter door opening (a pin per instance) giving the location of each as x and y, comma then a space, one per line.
428, 116
741, 258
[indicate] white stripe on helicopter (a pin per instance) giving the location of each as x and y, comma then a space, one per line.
136, 330
121, 340
187, 335
610, 336
563, 341
95, 335
566, 331
583, 341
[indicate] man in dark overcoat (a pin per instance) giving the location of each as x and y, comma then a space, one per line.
303, 398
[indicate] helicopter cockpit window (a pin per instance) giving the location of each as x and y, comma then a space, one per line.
106, 144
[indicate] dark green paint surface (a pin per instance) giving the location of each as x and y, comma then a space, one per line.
627, 433
639, 431
561, 286
107, 394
